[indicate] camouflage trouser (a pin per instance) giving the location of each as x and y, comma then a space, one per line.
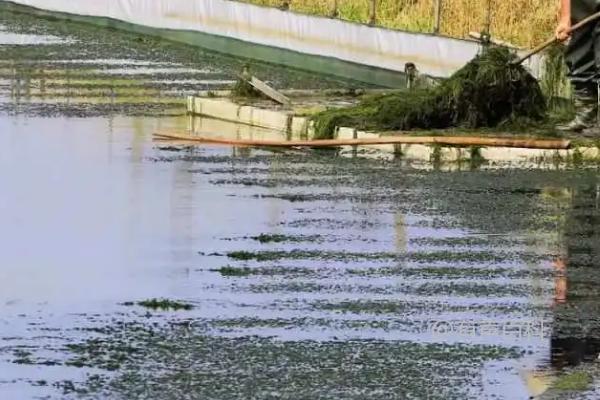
583, 50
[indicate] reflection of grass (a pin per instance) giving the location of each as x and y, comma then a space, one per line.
575, 381
98, 99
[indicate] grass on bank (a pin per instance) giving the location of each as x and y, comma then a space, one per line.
524, 23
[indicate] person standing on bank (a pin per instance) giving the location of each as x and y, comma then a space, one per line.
583, 61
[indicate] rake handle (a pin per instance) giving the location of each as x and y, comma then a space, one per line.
550, 42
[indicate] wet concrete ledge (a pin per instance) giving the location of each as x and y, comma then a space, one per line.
284, 124
281, 121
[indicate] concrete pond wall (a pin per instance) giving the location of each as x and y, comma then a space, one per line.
329, 46
223, 118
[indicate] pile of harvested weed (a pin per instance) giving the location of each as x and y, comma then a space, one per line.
487, 92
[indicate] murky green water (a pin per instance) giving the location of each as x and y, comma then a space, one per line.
312, 274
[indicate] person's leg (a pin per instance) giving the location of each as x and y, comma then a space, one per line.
597, 65
583, 58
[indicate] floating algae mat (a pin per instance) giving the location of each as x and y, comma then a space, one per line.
488, 91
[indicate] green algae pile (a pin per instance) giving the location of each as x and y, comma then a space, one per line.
490, 90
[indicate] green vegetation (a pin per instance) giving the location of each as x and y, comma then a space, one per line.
303, 254
172, 361
422, 257
574, 381
372, 307
446, 272
275, 238
490, 90
554, 85
523, 23
233, 271
245, 271
164, 304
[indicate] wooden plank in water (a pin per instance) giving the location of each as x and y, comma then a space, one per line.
267, 90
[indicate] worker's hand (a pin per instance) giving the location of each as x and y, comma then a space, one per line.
563, 29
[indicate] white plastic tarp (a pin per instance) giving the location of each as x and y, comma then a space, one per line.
357, 43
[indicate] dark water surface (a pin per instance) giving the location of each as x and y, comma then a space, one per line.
311, 274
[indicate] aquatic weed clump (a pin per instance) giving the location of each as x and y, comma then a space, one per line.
164, 304
487, 92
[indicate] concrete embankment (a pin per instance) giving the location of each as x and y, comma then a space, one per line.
222, 118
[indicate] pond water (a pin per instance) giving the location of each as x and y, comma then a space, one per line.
311, 274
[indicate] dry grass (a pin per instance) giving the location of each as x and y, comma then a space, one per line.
522, 22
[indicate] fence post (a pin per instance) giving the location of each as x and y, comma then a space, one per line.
488, 18
373, 12
335, 12
438, 16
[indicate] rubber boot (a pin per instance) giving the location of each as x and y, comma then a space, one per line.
586, 112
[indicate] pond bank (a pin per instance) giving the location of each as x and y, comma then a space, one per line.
224, 118
323, 45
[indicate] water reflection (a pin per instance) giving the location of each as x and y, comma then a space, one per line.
54, 68
576, 333
14, 39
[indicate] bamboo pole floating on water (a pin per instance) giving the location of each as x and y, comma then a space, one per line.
440, 140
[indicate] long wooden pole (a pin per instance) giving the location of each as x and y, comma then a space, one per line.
553, 40
441, 140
